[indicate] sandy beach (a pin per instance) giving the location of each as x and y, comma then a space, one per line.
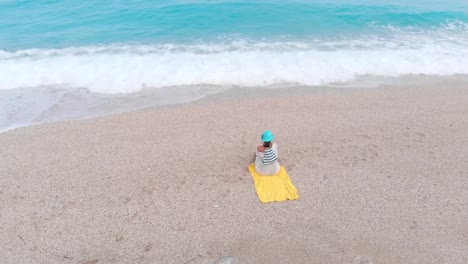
382, 176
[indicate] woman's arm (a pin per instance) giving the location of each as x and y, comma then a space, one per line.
259, 153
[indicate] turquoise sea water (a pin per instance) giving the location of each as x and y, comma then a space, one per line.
51, 51
61, 24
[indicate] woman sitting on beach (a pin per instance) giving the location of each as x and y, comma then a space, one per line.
266, 156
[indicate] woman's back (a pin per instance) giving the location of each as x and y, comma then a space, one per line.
266, 163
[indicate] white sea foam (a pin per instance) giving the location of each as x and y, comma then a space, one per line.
130, 72
129, 68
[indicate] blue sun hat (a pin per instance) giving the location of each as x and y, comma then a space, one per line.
267, 136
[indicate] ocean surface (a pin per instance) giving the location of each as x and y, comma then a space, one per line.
67, 59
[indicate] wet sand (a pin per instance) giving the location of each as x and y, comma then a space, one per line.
382, 175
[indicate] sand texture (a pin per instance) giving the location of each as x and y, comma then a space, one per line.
382, 176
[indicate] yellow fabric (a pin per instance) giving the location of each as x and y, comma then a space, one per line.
274, 188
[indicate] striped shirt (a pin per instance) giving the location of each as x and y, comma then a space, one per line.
269, 156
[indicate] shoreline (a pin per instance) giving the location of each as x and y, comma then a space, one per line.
101, 105
376, 169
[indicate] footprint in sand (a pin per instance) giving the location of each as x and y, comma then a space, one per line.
416, 136
230, 174
350, 161
364, 136
355, 154
148, 247
224, 194
243, 142
294, 157
311, 165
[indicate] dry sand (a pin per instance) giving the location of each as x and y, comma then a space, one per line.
382, 174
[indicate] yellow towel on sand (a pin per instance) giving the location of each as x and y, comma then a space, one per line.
274, 188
